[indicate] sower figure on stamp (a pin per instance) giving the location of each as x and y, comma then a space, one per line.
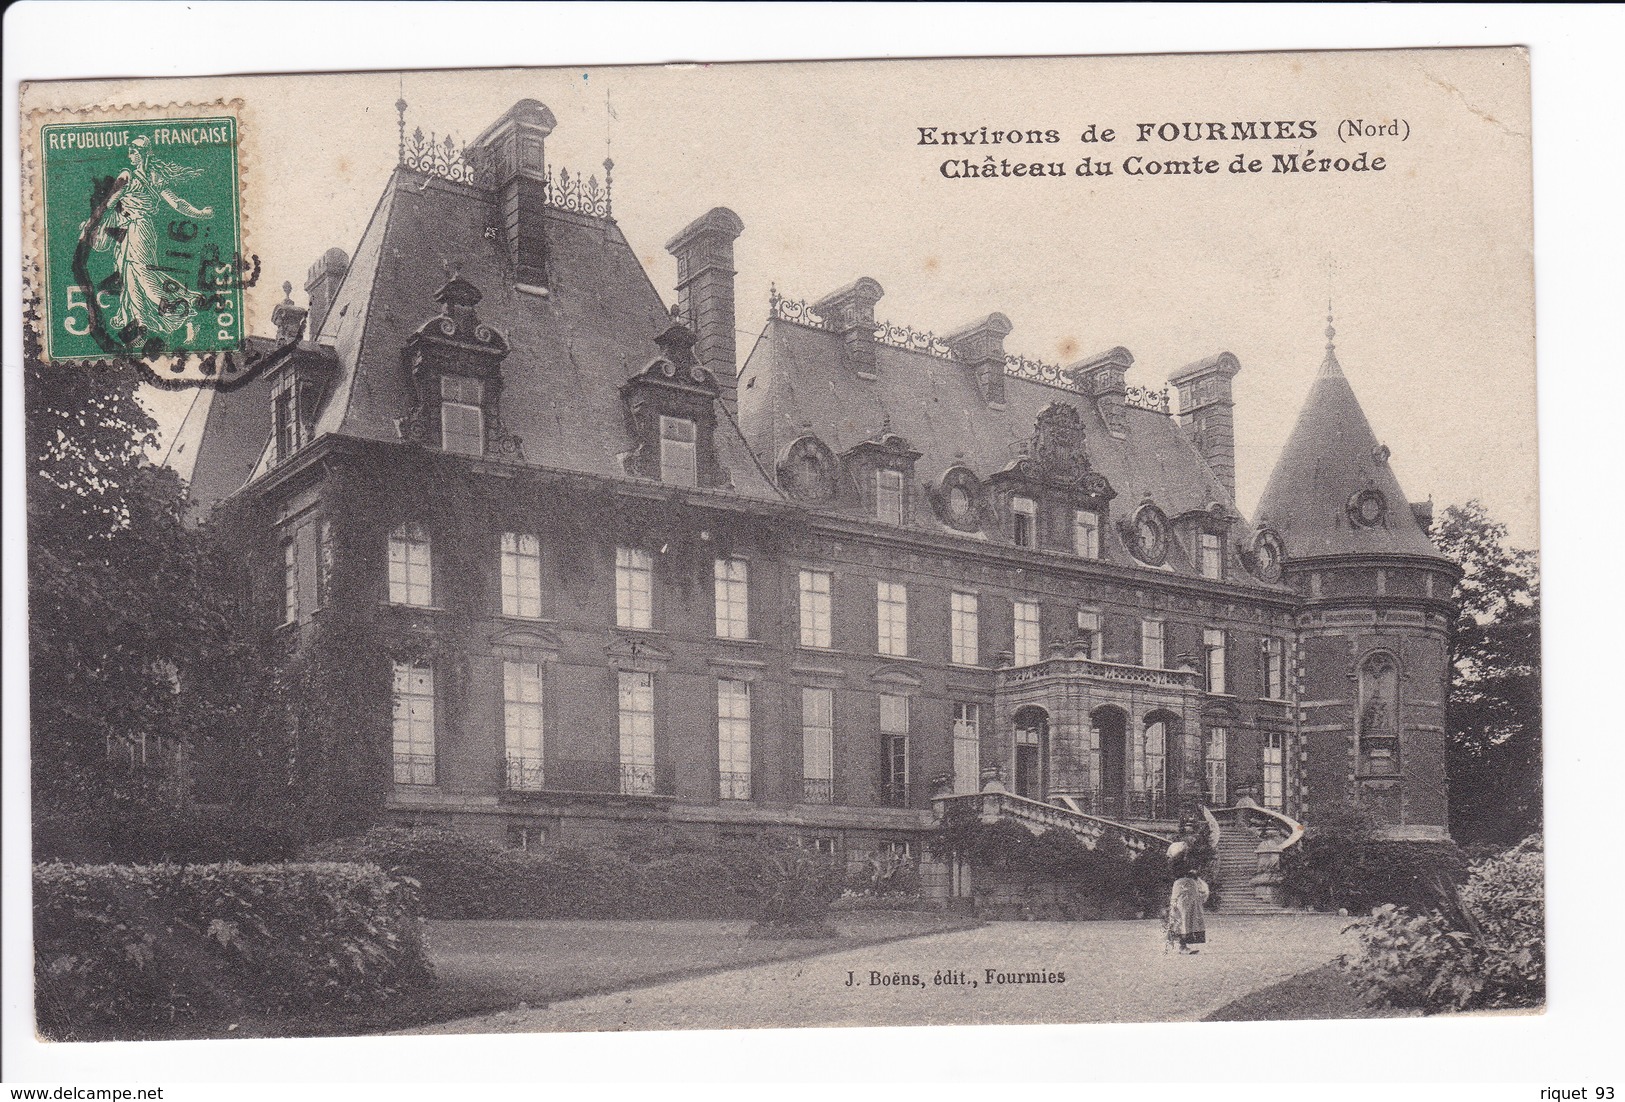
146, 295
1186, 926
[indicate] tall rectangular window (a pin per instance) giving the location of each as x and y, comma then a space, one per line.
967, 747
1024, 516
1218, 758
679, 455
1213, 644
1212, 556
324, 563
521, 575
410, 568
964, 644
634, 589
637, 729
1086, 533
818, 745
1274, 770
891, 615
732, 598
1089, 631
462, 415
1028, 637
733, 739
894, 748
1273, 653
414, 723
522, 723
285, 419
815, 608
889, 496
1151, 644
290, 580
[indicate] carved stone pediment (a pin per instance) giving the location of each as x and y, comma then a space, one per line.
525, 644
1058, 450
895, 676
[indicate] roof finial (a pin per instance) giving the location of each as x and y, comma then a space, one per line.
1329, 365
400, 120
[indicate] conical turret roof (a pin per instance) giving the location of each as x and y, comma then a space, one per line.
1332, 491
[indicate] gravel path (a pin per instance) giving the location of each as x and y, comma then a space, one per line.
1114, 972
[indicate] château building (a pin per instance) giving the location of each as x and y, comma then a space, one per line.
602, 573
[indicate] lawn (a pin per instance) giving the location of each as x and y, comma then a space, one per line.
1323, 992
488, 965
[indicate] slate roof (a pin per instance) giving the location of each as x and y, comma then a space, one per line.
795, 381
569, 351
222, 436
1331, 456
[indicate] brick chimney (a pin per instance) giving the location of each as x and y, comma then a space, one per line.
1102, 378
322, 285
851, 313
511, 160
1207, 413
705, 293
980, 346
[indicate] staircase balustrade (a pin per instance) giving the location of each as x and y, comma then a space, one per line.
1037, 817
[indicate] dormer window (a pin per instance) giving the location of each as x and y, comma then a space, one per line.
1024, 516
1212, 556
679, 455
287, 423
1086, 533
889, 496
462, 415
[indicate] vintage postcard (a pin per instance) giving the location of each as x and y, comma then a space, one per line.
806, 544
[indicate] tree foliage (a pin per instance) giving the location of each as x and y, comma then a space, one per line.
135, 655
1493, 716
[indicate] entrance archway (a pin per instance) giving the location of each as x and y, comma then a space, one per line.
1028, 768
1110, 730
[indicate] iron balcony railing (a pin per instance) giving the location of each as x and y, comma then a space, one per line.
817, 790
732, 785
895, 793
414, 768
609, 777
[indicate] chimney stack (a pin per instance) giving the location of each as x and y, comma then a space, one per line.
511, 160
980, 346
851, 313
705, 293
322, 285
1103, 378
1207, 413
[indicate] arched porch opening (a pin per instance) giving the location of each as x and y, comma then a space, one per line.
1108, 737
1157, 765
1030, 754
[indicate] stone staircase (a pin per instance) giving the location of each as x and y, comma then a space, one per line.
1236, 861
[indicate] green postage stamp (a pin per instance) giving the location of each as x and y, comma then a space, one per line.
140, 235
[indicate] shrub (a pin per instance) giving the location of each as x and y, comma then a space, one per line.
792, 889
1487, 949
158, 943
883, 873
1339, 863
467, 877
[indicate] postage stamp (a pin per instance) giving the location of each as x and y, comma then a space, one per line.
139, 235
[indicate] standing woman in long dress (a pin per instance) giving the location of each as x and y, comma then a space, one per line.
1185, 922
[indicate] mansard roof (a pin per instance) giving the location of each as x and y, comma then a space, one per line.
795, 382
570, 349
1331, 458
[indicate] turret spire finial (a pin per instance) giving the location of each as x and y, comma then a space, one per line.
1330, 366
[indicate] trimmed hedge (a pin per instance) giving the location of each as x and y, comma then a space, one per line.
1358, 875
466, 877
160, 943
